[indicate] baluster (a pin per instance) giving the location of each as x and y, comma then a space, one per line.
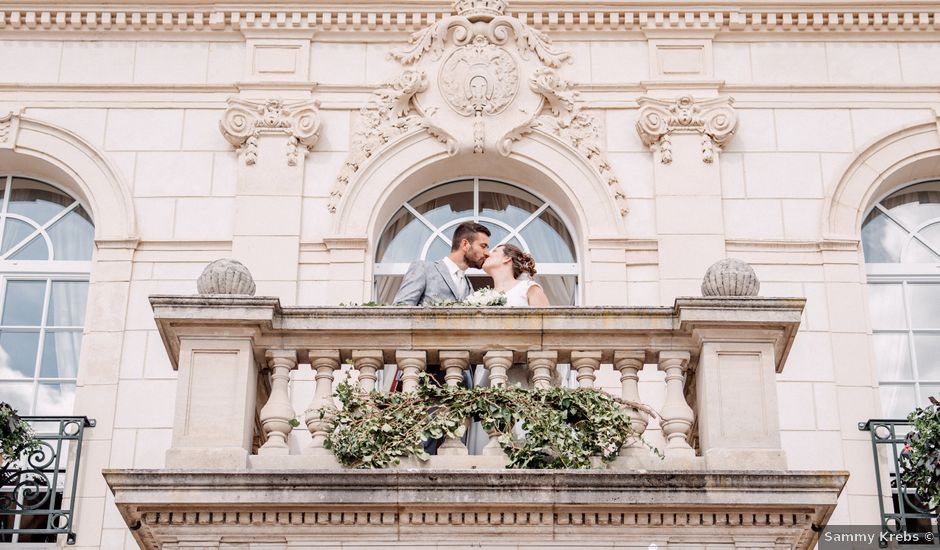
497, 363
677, 415
630, 363
586, 363
411, 363
277, 412
542, 366
367, 362
454, 363
324, 363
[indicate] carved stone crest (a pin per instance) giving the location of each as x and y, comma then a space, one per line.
477, 100
714, 119
244, 122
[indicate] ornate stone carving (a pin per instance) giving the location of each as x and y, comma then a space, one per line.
226, 276
478, 58
244, 122
713, 119
730, 277
393, 112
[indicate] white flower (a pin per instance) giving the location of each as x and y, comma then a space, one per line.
485, 297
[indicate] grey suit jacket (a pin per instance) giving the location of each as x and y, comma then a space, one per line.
427, 282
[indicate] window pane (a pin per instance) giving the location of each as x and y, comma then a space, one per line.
18, 354
73, 237
386, 286
19, 395
882, 239
917, 253
67, 303
925, 305
60, 351
915, 204
548, 239
13, 233
893, 356
507, 204
887, 306
37, 201
35, 250
927, 349
497, 233
437, 250
560, 289
446, 202
54, 399
403, 238
897, 401
23, 303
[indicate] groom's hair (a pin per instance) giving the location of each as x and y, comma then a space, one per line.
467, 230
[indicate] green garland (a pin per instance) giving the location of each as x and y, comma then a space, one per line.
564, 428
920, 458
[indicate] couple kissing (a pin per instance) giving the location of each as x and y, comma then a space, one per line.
445, 280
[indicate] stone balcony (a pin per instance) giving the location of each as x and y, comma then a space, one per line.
237, 475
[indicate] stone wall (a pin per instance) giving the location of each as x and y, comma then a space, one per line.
811, 97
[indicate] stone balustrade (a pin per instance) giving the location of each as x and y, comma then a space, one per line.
235, 356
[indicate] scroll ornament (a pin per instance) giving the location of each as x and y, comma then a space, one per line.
244, 122
714, 119
8, 127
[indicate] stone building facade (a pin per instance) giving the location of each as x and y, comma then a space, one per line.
628, 146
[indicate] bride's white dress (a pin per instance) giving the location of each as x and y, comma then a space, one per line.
518, 296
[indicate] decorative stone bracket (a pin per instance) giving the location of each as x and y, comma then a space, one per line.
244, 122
714, 119
9, 124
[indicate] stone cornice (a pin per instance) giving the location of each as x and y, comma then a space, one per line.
748, 18
164, 507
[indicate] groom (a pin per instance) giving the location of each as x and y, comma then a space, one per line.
445, 279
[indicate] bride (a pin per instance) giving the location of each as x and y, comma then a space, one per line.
506, 264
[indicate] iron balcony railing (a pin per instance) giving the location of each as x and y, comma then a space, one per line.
34, 506
908, 514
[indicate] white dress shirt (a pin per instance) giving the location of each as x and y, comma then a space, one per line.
457, 274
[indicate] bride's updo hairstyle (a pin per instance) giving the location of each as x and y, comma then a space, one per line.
522, 262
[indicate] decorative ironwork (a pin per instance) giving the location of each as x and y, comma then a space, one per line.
33, 503
908, 514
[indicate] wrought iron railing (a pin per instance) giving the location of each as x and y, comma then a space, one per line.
908, 514
34, 506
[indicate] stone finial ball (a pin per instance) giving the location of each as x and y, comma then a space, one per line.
730, 277
226, 276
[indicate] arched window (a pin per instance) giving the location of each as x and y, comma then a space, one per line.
46, 244
901, 240
423, 227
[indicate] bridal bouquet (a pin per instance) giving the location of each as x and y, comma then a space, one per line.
485, 297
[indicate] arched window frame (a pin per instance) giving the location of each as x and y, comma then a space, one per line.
49, 271
903, 280
441, 233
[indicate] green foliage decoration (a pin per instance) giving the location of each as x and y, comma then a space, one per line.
563, 428
920, 457
16, 435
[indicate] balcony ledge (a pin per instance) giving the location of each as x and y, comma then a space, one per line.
397, 507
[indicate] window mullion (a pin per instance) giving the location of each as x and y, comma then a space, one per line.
7, 189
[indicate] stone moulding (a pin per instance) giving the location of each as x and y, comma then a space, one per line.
244, 122
792, 18
391, 328
303, 510
714, 119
